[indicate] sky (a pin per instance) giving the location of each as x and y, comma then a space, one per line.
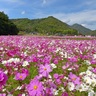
69, 11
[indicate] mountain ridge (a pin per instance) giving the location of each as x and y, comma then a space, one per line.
49, 26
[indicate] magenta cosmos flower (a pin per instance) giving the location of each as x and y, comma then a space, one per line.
20, 76
44, 70
75, 79
3, 94
35, 88
94, 70
65, 94
3, 78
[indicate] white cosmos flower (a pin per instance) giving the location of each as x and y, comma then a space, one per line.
23, 94
55, 91
10, 60
69, 69
6, 71
66, 78
82, 73
89, 73
4, 62
15, 68
19, 88
1, 48
87, 80
49, 76
91, 94
66, 55
61, 53
15, 60
9, 95
25, 63
87, 62
58, 49
71, 86
53, 65
62, 89
94, 56
83, 87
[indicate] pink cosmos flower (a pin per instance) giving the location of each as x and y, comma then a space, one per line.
75, 79
55, 61
49, 91
44, 70
35, 88
55, 75
3, 94
12, 52
58, 78
3, 78
47, 59
93, 61
94, 70
65, 94
73, 59
20, 76
25, 71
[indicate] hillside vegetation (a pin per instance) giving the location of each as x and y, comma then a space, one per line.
81, 29
45, 26
92, 33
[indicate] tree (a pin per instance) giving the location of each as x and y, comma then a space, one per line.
6, 26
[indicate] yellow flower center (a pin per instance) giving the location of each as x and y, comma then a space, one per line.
20, 76
73, 79
45, 68
35, 87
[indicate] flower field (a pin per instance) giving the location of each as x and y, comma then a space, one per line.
40, 66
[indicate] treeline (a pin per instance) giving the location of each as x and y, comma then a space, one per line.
7, 27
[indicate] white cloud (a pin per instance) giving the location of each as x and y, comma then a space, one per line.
48, 2
23, 12
6, 11
90, 2
44, 2
84, 17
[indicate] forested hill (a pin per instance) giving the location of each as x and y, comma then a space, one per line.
81, 29
45, 26
92, 33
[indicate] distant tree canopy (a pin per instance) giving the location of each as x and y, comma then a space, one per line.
6, 26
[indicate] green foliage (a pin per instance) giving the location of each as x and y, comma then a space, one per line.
6, 26
93, 33
45, 26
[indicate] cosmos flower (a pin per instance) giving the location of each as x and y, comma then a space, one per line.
71, 86
65, 94
3, 78
3, 94
94, 70
35, 88
20, 76
75, 79
44, 70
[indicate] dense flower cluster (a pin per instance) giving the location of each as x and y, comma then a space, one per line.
42, 66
